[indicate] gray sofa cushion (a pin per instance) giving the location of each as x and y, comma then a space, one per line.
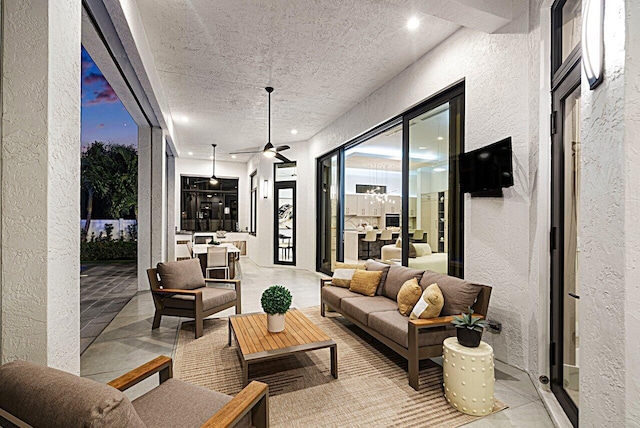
178, 404
211, 298
181, 275
397, 276
381, 267
333, 295
360, 307
458, 294
45, 397
395, 326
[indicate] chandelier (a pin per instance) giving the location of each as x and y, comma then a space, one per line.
375, 194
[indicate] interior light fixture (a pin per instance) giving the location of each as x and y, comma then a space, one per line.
440, 138
183, 119
265, 189
422, 148
213, 180
413, 23
233, 156
269, 151
593, 41
294, 131
439, 169
190, 153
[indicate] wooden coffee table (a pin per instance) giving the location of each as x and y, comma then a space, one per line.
256, 344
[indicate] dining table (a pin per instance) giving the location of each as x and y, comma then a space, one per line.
200, 251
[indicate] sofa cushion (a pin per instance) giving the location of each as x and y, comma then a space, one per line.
360, 307
397, 276
429, 305
408, 296
373, 265
334, 295
340, 265
412, 251
181, 275
178, 404
342, 277
211, 298
365, 282
395, 326
44, 397
458, 294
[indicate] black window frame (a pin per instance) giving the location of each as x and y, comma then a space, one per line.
253, 201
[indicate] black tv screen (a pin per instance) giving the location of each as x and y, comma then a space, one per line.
488, 168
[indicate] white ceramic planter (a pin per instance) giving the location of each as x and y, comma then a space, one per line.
275, 323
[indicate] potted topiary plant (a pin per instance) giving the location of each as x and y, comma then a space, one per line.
276, 301
469, 329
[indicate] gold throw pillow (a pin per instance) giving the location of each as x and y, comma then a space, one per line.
341, 265
365, 282
408, 296
429, 305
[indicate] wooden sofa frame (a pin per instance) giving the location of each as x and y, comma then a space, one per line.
192, 308
414, 354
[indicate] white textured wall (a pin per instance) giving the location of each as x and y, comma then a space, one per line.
40, 183
496, 72
203, 167
609, 231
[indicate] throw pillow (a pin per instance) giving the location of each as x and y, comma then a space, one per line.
458, 293
365, 282
181, 275
342, 277
429, 305
373, 265
423, 249
399, 243
412, 251
340, 265
408, 296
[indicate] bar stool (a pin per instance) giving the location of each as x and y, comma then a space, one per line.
386, 236
418, 235
371, 236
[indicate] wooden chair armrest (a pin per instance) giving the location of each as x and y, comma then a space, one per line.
160, 364
256, 393
436, 322
177, 291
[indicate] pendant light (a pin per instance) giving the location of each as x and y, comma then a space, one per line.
269, 150
214, 180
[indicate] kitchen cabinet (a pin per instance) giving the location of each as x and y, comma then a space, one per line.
413, 203
393, 205
368, 207
351, 204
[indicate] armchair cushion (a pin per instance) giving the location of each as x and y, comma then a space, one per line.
178, 404
211, 298
41, 396
181, 275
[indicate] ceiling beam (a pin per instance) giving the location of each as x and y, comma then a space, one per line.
482, 15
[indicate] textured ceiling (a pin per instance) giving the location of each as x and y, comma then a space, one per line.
322, 57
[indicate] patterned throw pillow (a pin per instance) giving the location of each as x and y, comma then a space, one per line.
429, 305
342, 277
365, 282
408, 296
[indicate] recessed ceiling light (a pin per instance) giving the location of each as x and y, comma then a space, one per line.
183, 119
233, 156
294, 131
210, 157
422, 148
439, 169
413, 23
190, 153
440, 138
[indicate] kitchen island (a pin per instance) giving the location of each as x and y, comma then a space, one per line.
355, 249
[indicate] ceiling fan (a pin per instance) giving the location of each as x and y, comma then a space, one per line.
213, 180
269, 149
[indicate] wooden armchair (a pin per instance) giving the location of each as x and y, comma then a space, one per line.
37, 396
197, 303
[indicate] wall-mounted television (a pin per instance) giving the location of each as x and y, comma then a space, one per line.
488, 169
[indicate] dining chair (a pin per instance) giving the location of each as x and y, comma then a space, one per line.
386, 236
218, 258
369, 237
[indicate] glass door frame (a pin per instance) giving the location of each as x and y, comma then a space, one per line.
278, 185
339, 153
569, 84
455, 97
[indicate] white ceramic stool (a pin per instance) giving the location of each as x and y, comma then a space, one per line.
468, 377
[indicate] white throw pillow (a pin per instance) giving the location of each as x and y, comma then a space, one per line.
342, 277
422, 249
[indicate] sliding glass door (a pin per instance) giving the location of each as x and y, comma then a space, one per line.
328, 174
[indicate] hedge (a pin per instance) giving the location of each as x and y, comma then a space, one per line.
108, 250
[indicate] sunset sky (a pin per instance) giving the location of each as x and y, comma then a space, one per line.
104, 118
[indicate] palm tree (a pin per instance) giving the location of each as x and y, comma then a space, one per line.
124, 185
94, 174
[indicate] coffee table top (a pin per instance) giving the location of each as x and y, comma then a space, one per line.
254, 340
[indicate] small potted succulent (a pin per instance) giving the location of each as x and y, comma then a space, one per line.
276, 301
469, 329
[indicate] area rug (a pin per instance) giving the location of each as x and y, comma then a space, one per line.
372, 388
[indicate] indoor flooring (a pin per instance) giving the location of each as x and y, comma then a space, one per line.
128, 342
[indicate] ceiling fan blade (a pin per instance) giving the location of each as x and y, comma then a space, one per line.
282, 148
283, 158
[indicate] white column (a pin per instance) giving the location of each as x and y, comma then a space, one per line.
40, 183
152, 201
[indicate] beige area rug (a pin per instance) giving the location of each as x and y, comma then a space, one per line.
372, 389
